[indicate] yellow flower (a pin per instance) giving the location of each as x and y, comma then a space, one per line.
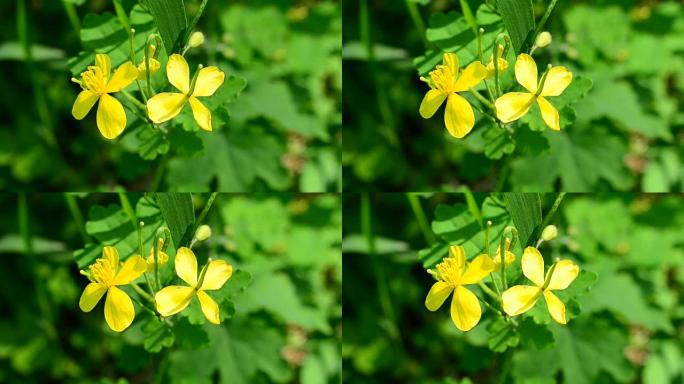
162, 256
105, 275
515, 105
521, 298
453, 276
445, 82
173, 299
502, 63
97, 85
509, 259
166, 105
154, 64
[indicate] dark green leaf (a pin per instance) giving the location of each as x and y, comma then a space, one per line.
518, 16
169, 15
525, 210
179, 214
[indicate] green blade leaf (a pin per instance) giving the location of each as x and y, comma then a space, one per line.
169, 15
177, 210
518, 17
525, 210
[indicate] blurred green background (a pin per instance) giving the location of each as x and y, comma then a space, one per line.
286, 325
628, 131
281, 133
629, 330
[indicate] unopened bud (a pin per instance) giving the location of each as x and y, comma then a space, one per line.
543, 39
196, 39
203, 232
549, 233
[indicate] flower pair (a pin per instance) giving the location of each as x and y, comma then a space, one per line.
453, 274
98, 84
107, 274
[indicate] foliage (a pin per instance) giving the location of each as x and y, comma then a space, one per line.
280, 310
624, 309
620, 118
276, 120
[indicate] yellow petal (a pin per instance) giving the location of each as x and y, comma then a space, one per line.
503, 66
557, 79
208, 81
458, 252
209, 307
173, 299
218, 272
132, 268
112, 255
165, 106
105, 63
513, 105
477, 270
451, 61
178, 73
474, 73
509, 259
83, 104
526, 72
438, 293
565, 273
555, 306
520, 299
549, 114
119, 311
431, 102
91, 296
458, 116
162, 257
111, 117
142, 70
123, 77
186, 266
201, 114
465, 309
533, 265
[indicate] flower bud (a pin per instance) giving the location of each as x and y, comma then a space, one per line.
203, 232
196, 39
549, 233
543, 39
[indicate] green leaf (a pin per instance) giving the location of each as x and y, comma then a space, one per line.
157, 335
502, 335
525, 210
433, 255
189, 336
518, 16
179, 214
169, 15
152, 142
498, 142
535, 335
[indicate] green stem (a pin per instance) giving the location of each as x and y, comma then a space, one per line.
202, 214
383, 291
552, 212
481, 99
167, 235
502, 254
192, 25
414, 12
72, 204
142, 293
126, 205
489, 292
72, 15
135, 102
543, 20
418, 211
23, 221
121, 14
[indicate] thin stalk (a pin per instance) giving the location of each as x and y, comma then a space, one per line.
23, 221
167, 235
383, 291
121, 14
481, 99
414, 12
204, 212
72, 15
418, 211
72, 204
142, 293
381, 95
502, 254
192, 25
126, 205
497, 88
135, 102
543, 20
159, 174
131, 35
489, 291
144, 306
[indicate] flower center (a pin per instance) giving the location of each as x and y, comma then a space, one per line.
94, 80
103, 272
443, 78
449, 271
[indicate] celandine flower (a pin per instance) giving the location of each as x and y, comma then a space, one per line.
501, 63
521, 298
162, 257
509, 259
444, 84
167, 105
173, 299
453, 276
97, 85
105, 275
514, 105
154, 64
